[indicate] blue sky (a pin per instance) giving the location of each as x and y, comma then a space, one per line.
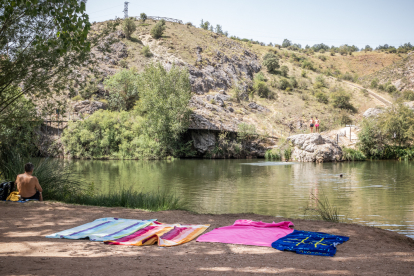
305, 22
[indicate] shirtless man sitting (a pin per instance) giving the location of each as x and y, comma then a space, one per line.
28, 185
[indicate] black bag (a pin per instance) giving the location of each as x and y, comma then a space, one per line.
5, 189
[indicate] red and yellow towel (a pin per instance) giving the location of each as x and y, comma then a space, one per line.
162, 233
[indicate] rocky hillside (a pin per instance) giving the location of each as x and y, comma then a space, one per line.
400, 73
217, 65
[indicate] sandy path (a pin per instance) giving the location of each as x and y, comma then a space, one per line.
25, 251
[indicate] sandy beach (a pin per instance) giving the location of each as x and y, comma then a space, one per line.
24, 250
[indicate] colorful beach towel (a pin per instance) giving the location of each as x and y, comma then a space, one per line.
103, 229
249, 232
310, 243
162, 233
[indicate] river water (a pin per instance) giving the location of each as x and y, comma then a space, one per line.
375, 193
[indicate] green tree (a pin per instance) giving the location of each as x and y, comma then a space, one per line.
158, 30
271, 61
286, 43
143, 17
123, 92
164, 98
284, 70
398, 124
341, 99
41, 44
374, 83
129, 27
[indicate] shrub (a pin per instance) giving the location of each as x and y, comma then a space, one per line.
246, 132
123, 91
284, 84
128, 26
123, 63
320, 82
77, 98
293, 82
408, 95
321, 97
284, 70
322, 57
273, 154
260, 77
143, 17
303, 85
353, 155
374, 83
341, 99
332, 52
381, 87
347, 76
146, 52
271, 62
391, 88
287, 153
158, 29
365, 92
303, 74
261, 89
308, 65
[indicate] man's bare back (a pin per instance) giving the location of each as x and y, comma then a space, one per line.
28, 185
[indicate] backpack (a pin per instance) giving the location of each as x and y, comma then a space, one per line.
5, 189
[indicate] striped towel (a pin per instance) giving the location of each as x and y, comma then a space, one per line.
103, 229
162, 233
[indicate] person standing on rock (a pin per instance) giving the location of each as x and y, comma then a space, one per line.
311, 124
317, 124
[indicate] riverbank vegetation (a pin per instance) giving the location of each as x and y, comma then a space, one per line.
60, 183
389, 135
148, 117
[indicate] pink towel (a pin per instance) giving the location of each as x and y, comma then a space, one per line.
249, 232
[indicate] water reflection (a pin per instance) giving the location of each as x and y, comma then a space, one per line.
377, 193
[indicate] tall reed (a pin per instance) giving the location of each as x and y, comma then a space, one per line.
60, 183
323, 210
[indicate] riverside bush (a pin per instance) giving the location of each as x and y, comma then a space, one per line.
123, 91
151, 130
353, 155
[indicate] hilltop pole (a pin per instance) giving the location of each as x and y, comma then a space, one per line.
125, 10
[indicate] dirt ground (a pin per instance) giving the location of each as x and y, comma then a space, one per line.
24, 250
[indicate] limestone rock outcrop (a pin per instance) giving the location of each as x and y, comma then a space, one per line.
88, 107
314, 148
372, 112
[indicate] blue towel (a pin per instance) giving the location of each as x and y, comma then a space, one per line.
310, 243
22, 200
103, 229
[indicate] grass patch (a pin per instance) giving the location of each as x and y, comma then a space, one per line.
154, 201
60, 183
353, 155
273, 154
323, 210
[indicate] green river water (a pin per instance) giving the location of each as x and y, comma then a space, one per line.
375, 193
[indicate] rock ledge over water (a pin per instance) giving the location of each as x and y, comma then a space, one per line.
314, 148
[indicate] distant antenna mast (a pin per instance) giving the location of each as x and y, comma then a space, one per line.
126, 10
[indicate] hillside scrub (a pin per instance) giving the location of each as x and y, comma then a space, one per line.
151, 130
271, 62
158, 30
128, 26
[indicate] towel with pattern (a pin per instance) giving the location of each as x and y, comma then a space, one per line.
162, 233
310, 243
103, 229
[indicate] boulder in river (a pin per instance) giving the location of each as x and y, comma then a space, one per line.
314, 148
